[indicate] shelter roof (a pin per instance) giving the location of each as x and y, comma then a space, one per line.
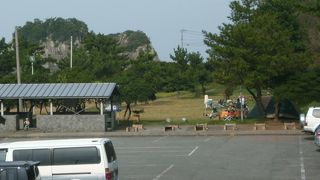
57, 90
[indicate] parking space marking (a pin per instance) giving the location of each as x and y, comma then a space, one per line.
153, 151
194, 150
163, 172
157, 140
138, 165
302, 169
151, 147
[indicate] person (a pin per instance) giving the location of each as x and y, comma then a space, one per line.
26, 124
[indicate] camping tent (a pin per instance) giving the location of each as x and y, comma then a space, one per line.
287, 109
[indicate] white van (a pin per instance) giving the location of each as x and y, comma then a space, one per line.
312, 120
84, 159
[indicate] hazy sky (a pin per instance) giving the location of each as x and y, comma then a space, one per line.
161, 20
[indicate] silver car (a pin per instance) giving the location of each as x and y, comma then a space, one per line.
317, 136
18, 170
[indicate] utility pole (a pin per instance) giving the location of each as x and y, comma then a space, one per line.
18, 66
241, 102
182, 31
32, 59
71, 53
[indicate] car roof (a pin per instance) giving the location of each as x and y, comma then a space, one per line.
55, 143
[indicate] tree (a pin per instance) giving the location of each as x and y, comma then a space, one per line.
260, 48
198, 71
57, 29
138, 82
81, 71
180, 78
107, 57
7, 61
302, 88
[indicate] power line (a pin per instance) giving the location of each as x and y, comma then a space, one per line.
191, 38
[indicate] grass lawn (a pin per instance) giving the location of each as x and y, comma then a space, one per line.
175, 107
171, 108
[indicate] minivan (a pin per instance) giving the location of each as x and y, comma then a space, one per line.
84, 159
312, 120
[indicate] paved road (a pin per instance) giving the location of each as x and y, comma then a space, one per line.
210, 157
238, 157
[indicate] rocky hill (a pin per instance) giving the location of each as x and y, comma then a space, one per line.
54, 35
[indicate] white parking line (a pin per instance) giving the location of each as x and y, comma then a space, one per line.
137, 165
194, 150
152, 147
150, 151
157, 140
302, 169
163, 172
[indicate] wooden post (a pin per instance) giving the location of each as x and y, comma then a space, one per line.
2, 113
51, 108
101, 108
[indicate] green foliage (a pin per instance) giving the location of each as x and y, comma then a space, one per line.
180, 77
7, 61
138, 82
261, 47
58, 29
302, 88
181, 58
188, 72
136, 39
99, 60
198, 72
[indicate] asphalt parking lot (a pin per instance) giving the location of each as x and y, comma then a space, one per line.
227, 157
216, 157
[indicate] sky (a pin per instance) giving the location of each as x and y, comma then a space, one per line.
165, 22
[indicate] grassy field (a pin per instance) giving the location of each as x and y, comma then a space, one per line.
171, 106
175, 107
186, 105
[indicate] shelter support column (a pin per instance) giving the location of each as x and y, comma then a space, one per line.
101, 108
1, 104
51, 107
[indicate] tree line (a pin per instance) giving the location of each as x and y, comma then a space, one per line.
101, 58
265, 45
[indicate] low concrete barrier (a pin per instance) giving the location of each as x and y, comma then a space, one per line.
135, 128
287, 126
261, 126
201, 127
231, 126
170, 128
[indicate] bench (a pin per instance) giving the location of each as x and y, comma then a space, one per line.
286, 126
232, 126
135, 128
170, 127
259, 126
201, 127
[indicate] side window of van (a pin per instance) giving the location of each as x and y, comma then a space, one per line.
316, 113
78, 155
42, 155
22, 155
111, 154
3, 153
